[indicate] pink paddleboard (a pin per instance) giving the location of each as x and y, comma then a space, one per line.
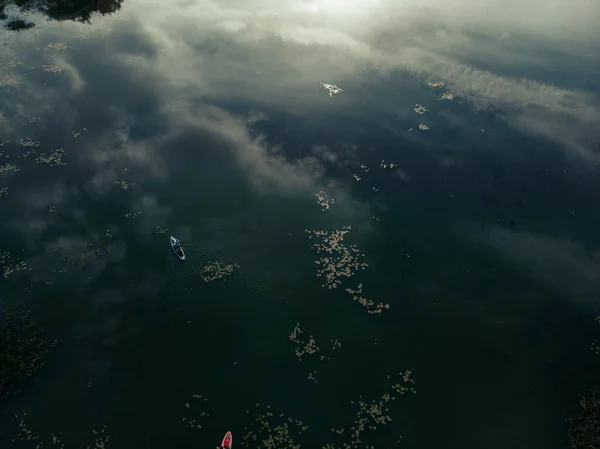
227, 440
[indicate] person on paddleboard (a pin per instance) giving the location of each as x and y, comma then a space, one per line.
227, 441
177, 246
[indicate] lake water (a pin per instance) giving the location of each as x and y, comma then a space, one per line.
441, 164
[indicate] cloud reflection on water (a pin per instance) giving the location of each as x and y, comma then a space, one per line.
193, 97
158, 82
279, 53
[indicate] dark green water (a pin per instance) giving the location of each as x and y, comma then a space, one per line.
210, 119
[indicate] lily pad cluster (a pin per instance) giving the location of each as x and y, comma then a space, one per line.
217, 270
270, 430
23, 350
307, 346
584, 431
371, 414
26, 434
10, 264
192, 421
338, 261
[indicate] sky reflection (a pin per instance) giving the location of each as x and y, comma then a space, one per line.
458, 141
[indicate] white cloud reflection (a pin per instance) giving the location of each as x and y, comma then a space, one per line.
194, 58
280, 51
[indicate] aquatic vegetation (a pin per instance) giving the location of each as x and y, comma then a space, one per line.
52, 159
35, 120
3, 153
52, 68
28, 142
192, 423
161, 230
122, 185
3, 191
23, 350
217, 270
11, 265
436, 84
371, 307
340, 261
84, 261
405, 384
372, 414
78, 133
324, 200
303, 346
308, 347
10, 65
9, 81
74, 257
25, 433
269, 430
584, 430
447, 96
420, 109
56, 46
133, 214
423, 127
596, 343
331, 88
8, 168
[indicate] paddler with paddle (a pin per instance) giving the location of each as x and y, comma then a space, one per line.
227, 440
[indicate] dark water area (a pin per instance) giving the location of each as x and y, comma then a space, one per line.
452, 158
